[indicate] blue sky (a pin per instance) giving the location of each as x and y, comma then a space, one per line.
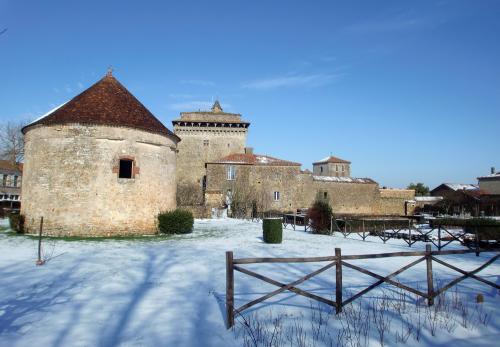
407, 90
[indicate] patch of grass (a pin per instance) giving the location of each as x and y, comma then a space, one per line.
94, 239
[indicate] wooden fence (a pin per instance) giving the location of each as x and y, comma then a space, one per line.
339, 261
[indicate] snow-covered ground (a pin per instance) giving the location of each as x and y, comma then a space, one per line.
171, 292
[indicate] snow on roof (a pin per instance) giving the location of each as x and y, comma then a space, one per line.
332, 159
342, 179
254, 159
428, 198
48, 113
461, 186
495, 175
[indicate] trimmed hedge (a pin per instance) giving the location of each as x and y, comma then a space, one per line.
272, 230
487, 228
17, 222
470, 222
176, 222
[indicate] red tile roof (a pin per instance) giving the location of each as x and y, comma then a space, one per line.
10, 166
254, 159
107, 102
332, 159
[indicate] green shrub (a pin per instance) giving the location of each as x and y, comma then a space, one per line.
176, 222
16, 222
319, 216
272, 230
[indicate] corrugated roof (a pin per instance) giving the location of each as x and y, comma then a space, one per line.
254, 159
107, 102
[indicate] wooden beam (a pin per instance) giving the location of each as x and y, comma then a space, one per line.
279, 284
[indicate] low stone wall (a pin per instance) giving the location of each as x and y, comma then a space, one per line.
199, 211
392, 201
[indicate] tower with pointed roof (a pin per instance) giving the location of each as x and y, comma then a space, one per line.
100, 164
206, 136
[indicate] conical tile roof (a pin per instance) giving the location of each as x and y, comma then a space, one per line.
107, 102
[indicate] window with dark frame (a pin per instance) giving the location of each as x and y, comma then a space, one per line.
126, 168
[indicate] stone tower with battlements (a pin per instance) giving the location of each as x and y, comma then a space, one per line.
206, 136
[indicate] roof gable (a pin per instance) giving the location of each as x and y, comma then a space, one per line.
107, 102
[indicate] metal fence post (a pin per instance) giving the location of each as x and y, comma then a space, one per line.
229, 289
40, 261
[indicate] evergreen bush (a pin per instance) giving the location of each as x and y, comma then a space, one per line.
176, 222
319, 216
272, 230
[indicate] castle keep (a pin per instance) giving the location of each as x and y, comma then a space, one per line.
206, 136
100, 164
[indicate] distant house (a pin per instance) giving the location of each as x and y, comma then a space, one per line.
491, 182
10, 184
466, 199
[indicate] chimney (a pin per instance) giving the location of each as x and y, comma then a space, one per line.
248, 150
492, 170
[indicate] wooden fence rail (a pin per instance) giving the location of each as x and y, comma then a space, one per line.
339, 261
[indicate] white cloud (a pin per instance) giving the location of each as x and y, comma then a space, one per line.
310, 80
80, 85
202, 83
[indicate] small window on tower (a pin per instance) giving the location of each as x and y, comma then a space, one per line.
206, 143
126, 168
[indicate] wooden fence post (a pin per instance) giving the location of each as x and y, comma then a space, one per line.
430, 284
229, 289
338, 281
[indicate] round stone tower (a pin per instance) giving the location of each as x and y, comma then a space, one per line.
98, 165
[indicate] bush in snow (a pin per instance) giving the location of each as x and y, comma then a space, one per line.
273, 230
176, 222
319, 216
16, 222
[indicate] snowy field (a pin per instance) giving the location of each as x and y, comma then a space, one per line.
171, 292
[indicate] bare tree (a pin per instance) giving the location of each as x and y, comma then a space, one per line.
12, 141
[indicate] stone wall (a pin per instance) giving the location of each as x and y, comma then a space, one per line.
300, 190
70, 178
347, 198
392, 201
490, 185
